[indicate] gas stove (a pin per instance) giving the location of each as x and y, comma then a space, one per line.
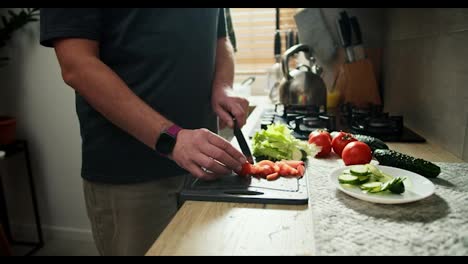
300, 119
370, 120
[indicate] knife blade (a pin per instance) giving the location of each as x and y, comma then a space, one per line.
242, 142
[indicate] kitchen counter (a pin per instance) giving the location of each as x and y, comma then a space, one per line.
332, 223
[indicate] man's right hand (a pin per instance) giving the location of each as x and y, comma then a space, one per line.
206, 155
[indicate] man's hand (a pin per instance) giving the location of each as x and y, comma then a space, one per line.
226, 105
206, 155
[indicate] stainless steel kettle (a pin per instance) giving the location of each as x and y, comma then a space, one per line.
299, 87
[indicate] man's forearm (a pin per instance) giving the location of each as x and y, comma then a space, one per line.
224, 73
110, 96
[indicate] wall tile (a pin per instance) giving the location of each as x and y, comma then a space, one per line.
452, 19
426, 73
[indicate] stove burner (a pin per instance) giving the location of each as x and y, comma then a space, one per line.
371, 121
300, 119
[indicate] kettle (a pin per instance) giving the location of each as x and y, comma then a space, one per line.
299, 87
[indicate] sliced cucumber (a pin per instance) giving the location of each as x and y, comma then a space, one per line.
348, 179
297, 154
386, 186
371, 185
376, 189
363, 178
373, 169
378, 173
371, 179
359, 170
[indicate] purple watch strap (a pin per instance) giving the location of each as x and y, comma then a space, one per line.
173, 130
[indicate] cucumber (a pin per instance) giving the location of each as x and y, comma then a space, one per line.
297, 154
397, 186
372, 142
348, 179
359, 170
378, 174
363, 179
393, 158
386, 186
372, 187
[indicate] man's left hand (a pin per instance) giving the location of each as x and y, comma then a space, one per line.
226, 105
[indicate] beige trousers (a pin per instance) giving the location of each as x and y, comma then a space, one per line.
127, 219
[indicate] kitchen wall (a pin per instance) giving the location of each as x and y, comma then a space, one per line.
426, 76
32, 90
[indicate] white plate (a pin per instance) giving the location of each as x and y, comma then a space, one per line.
417, 187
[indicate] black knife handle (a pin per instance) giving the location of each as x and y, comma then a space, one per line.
357, 31
345, 28
277, 46
291, 39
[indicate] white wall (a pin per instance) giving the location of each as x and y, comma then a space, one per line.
31, 89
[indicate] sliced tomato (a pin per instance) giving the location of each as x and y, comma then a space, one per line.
266, 162
294, 172
285, 169
273, 176
293, 163
267, 169
246, 169
276, 167
301, 170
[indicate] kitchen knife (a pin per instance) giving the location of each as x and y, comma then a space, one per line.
242, 142
277, 44
358, 48
345, 29
291, 39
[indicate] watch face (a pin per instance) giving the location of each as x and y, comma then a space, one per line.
165, 144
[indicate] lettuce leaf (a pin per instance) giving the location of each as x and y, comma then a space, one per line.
277, 143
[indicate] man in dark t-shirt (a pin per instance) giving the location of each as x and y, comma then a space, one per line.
150, 86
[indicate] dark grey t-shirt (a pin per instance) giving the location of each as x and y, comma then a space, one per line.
165, 55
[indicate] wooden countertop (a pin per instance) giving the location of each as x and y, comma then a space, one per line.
215, 228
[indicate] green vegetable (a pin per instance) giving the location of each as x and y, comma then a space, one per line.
371, 179
277, 143
348, 179
372, 187
396, 159
359, 170
363, 179
372, 142
397, 186
378, 174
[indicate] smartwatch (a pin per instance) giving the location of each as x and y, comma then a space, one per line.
167, 140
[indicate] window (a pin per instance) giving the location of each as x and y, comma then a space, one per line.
254, 29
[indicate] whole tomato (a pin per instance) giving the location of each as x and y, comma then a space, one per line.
341, 140
357, 153
322, 139
320, 131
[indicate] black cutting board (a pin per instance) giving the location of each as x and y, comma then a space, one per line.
233, 188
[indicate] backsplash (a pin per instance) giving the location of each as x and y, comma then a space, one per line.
426, 73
